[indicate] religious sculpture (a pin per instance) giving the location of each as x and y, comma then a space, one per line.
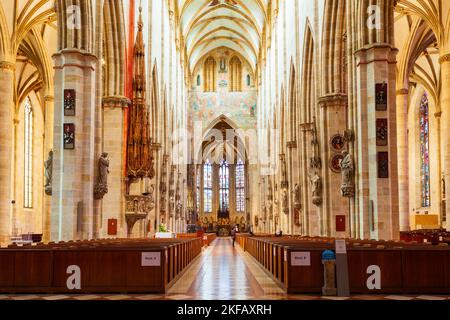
101, 187
48, 164
297, 197
316, 185
348, 170
285, 201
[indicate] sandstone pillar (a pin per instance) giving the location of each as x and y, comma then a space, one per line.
333, 112
402, 147
73, 169
445, 106
7, 69
113, 143
48, 145
377, 169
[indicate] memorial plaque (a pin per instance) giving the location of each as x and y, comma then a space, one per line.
383, 165
69, 136
381, 97
382, 132
69, 102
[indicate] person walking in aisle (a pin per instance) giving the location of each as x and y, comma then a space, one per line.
233, 234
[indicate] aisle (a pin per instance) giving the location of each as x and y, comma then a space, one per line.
223, 272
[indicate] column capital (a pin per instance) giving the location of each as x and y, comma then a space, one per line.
7, 66
333, 100
116, 102
49, 98
402, 92
444, 58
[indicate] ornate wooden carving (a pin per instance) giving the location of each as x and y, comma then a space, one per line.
139, 146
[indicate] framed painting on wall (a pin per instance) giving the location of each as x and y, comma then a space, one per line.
381, 97
383, 165
69, 102
382, 132
69, 136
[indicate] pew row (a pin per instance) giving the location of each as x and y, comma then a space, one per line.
118, 266
296, 264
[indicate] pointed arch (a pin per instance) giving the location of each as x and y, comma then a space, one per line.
114, 52
334, 41
292, 98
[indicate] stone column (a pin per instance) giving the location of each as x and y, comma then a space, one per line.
113, 143
378, 196
402, 146
7, 69
445, 106
73, 170
333, 111
48, 145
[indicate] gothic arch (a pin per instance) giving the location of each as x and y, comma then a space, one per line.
75, 38
292, 98
114, 52
334, 47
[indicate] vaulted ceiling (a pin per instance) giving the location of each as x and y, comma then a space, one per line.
210, 24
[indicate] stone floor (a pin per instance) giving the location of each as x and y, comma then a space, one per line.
220, 273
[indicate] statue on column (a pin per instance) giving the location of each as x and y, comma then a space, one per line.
316, 186
101, 188
348, 171
48, 165
297, 197
285, 201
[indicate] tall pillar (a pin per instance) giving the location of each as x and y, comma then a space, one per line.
73, 169
402, 147
7, 69
377, 175
113, 120
333, 112
445, 106
48, 146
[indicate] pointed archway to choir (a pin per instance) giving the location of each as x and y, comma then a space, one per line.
221, 178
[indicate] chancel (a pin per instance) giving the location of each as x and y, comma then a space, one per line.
141, 138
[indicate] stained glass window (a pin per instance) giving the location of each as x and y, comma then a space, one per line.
224, 185
28, 155
425, 151
240, 186
207, 187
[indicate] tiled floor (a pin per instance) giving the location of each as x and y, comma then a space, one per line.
220, 273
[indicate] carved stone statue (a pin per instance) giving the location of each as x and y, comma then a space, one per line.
297, 197
101, 188
348, 171
285, 201
48, 164
316, 187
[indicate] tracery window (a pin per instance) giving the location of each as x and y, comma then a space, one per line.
207, 187
28, 155
209, 70
224, 186
240, 186
425, 151
235, 75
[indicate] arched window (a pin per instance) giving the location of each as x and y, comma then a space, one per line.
235, 75
207, 187
249, 81
240, 186
224, 185
425, 151
199, 81
209, 70
28, 155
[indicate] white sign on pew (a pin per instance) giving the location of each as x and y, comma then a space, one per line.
151, 259
301, 259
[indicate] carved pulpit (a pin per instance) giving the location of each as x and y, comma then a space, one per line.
137, 208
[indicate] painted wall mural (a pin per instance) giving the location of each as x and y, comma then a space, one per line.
240, 107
